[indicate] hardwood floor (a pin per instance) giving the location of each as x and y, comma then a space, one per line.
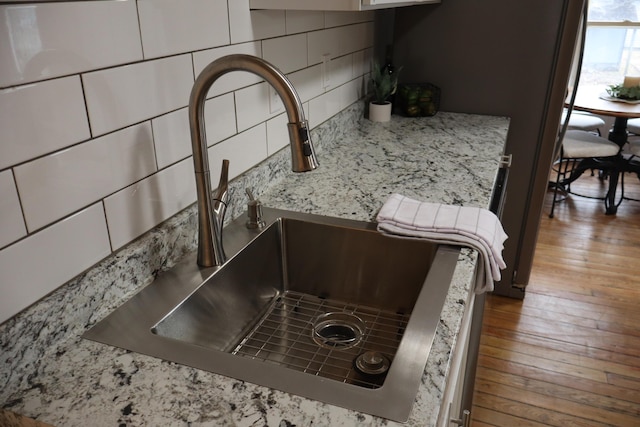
569, 354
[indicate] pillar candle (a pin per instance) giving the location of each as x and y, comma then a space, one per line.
631, 81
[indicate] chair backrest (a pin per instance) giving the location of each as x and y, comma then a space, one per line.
633, 126
584, 121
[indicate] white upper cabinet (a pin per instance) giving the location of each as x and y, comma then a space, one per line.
334, 4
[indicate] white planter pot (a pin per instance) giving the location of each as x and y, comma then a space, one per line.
380, 112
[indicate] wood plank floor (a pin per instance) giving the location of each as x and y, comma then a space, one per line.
569, 354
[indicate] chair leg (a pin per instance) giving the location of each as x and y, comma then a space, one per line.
610, 204
557, 184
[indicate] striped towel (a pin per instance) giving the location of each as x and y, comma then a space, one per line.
477, 228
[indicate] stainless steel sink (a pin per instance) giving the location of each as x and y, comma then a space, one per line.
322, 307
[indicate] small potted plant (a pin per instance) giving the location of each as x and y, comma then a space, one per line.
383, 84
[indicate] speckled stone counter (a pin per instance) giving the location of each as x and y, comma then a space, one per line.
48, 372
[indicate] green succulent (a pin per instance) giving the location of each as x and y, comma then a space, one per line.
383, 84
619, 91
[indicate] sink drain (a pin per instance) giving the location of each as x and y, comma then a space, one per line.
372, 363
337, 330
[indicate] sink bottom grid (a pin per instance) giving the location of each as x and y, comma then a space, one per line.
284, 336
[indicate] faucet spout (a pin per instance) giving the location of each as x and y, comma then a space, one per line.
303, 158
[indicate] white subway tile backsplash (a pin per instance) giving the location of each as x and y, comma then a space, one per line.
56, 185
94, 124
334, 19
231, 81
40, 118
341, 71
359, 37
307, 82
11, 222
351, 91
172, 135
252, 106
220, 118
177, 26
362, 62
339, 41
243, 151
252, 25
324, 42
60, 252
299, 21
45, 40
324, 107
145, 204
286, 53
122, 96
277, 134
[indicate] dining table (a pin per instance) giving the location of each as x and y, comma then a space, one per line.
594, 99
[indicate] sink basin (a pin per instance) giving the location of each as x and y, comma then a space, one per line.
322, 307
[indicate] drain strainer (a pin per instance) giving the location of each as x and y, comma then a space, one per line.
337, 330
372, 363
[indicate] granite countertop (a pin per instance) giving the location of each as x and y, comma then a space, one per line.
449, 158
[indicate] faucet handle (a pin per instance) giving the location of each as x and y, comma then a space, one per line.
254, 212
222, 193
219, 207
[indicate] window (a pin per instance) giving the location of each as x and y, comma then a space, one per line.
612, 46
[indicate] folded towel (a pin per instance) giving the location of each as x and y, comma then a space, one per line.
477, 228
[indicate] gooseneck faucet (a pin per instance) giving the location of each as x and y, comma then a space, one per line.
211, 210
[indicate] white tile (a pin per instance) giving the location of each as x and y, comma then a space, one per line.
177, 26
145, 204
307, 82
334, 19
40, 118
305, 107
220, 118
341, 71
324, 107
172, 136
253, 25
122, 96
277, 134
286, 53
360, 65
11, 222
299, 21
359, 37
252, 106
59, 253
339, 41
243, 151
45, 40
367, 63
231, 81
351, 92
56, 185
324, 42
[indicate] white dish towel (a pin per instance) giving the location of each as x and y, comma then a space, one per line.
477, 228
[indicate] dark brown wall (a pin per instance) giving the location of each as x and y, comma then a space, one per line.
497, 57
